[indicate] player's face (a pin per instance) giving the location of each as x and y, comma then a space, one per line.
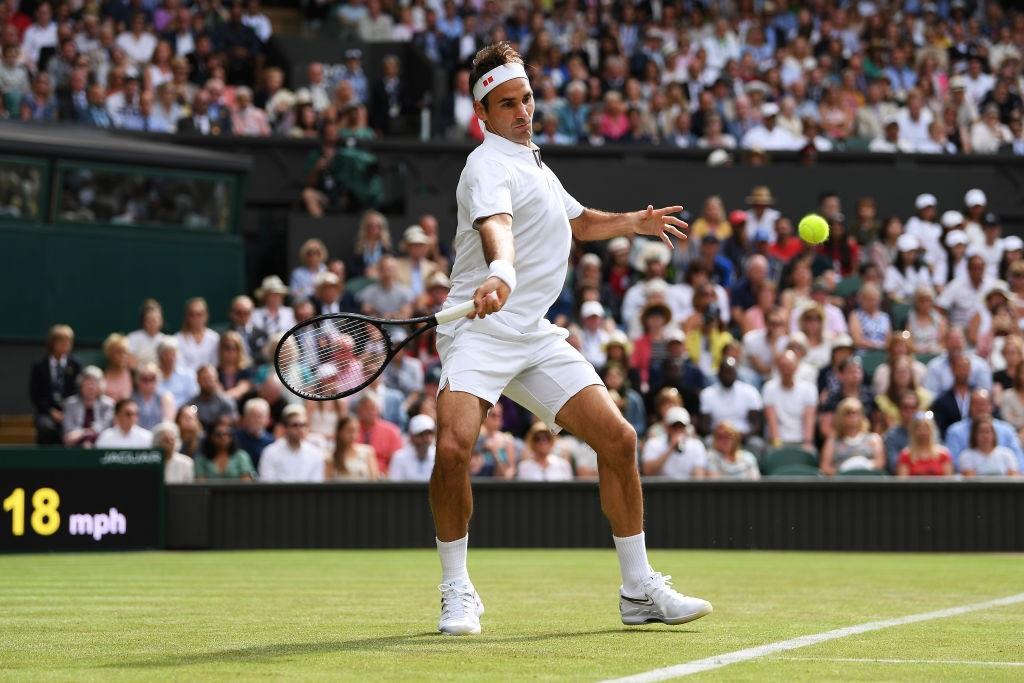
509, 111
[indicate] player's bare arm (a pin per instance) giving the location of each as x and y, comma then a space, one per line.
496, 236
593, 224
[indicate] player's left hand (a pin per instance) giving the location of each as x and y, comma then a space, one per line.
660, 223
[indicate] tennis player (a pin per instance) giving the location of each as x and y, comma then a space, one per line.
515, 228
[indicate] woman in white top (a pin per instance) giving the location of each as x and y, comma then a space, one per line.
178, 467
984, 457
540, 464
313, 255
273, 316
144, 341
158, 71
926, 325
197, 343
906, 272
324, 418
350, 461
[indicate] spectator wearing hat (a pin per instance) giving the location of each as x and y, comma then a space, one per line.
353, 72
734, 400
924, 228
593, 334
770, 136
675, 454
991, 322
415, 268
961, 297
907, 272
415, 460
329, 295
273, 316
313, 259
976, 205
678, 371
539, 463
991, 244
761, 215
958, 436
890, 141
954, 261
654, 257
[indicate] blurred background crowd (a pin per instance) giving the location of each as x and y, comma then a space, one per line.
895, 346
929, 77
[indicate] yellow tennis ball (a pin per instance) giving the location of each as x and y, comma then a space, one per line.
813, 229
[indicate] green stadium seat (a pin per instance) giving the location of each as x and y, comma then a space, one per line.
848, 286
357, 284
90, 357
796, 471
899, 315
926, 357
863, 473
784, 457
870, 362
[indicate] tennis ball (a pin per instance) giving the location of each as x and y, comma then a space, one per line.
813, 229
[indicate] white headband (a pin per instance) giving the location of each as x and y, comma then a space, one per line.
495, 77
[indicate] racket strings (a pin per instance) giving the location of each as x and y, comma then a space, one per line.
331, 357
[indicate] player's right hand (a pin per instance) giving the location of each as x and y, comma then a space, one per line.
489, 297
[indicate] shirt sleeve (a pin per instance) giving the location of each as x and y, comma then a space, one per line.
489, 188
573, 209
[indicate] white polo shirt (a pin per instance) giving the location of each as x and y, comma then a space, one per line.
502, 176
279, 462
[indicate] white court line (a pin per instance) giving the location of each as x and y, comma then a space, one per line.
855, 660
749, 653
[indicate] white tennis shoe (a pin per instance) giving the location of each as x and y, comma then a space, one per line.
660, 602
461, 609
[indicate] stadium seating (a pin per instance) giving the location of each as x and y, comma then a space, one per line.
783, 458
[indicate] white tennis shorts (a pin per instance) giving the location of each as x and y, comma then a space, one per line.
541, 375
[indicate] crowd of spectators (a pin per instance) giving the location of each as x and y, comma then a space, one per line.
928, 77
896, 346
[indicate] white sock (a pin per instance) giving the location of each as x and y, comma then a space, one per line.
632, 553
453, 559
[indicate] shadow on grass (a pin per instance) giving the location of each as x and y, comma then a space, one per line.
261, 653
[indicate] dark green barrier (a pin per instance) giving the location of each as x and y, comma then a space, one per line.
64, 499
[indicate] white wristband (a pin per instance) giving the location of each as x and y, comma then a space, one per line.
504, 271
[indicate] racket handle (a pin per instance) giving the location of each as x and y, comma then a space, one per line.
454, 313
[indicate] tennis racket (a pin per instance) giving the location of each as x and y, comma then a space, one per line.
335, 355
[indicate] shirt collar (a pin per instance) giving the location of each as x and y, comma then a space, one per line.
505, 145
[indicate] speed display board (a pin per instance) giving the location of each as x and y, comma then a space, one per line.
63, 499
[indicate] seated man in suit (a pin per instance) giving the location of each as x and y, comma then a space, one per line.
329, 295
53, 379
203, 121
953, 405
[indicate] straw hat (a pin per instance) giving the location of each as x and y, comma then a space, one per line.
272, 284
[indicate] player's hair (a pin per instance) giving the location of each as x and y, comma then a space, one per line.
489, 58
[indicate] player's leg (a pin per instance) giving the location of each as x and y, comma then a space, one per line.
459, 416
645, 595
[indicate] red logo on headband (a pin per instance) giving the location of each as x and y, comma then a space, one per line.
488, 81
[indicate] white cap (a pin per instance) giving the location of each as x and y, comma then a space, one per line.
955, 238
951, 219
925, 200
1012, 243
769, 109
656, 251
655, 287
719, 157
974, 250
907, 242
673, 334
420, 424
590, 308
975, 197
414, 234
618, 244
591, 258
676, 414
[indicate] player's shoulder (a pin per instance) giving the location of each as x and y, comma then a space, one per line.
482, 158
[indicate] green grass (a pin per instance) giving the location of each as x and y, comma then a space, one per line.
550, 615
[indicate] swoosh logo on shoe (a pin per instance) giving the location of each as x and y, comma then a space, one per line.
637, 601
